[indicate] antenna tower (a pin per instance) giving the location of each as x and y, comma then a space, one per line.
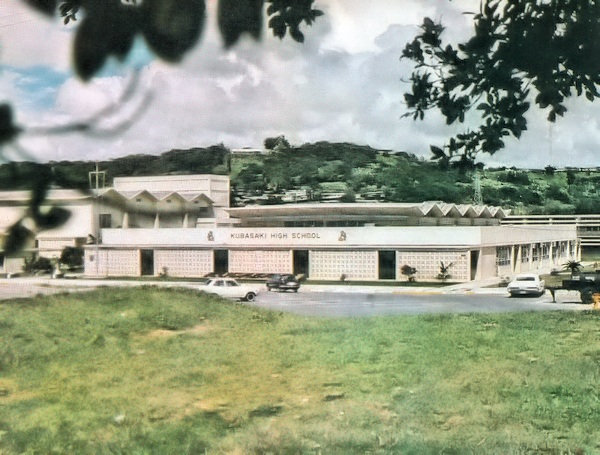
97, 178
477, 199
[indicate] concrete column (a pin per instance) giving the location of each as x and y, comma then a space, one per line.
513, 264
156, 221
125, 224
519, 257
551, 253
186, 221
531, 256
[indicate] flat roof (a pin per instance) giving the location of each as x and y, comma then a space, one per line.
328, 210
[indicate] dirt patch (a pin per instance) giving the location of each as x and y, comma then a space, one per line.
198, 330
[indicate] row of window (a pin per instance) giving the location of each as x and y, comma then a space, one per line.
538, 252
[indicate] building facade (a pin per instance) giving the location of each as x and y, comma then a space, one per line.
182, 226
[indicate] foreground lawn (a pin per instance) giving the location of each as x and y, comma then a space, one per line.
149, 371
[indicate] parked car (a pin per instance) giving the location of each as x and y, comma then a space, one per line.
529, 283
230, 288
283, 282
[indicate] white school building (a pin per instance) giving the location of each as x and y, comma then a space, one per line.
183, 226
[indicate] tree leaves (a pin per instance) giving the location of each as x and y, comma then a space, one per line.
288, 15
517, 46
236, 17
8, 130
45, 6
17, 238
108, 29
172, 27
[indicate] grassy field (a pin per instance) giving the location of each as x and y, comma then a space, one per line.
149, 371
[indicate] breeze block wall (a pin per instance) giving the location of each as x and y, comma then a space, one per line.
260, 261
427, 264
183, 263
354, 265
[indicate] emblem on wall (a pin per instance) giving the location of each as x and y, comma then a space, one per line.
210, 236
342, 236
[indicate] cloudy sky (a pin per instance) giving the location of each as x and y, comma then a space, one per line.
345, 83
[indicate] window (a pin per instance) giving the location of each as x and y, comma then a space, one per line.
1, 260
524, 253
537, 252
105, 220
503, 255
231, 283
545, 251
219, 283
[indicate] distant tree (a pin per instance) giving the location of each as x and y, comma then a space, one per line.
516, 177
550, 170
273, 143
570, 177
520, 50
557, 192
348, 196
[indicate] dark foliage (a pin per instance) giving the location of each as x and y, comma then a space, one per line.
72, 257
520, 50
108, 29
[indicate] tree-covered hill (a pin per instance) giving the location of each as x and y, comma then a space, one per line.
342, 171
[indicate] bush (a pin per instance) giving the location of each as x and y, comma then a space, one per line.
72, 257
40, 264
408, 272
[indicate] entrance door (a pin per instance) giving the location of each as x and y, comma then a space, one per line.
474, 260
387, 265
147, 261
301, 263
221, 262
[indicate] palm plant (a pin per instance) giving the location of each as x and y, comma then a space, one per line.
573, 266
444, 271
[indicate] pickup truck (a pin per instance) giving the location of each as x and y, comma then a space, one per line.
587, 283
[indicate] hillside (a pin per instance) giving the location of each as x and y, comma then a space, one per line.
341, 171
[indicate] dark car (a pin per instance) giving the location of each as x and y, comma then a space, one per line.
283, 282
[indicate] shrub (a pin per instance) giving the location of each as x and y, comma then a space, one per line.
72, 257
408, 272
40, 264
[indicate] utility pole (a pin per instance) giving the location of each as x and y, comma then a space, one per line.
95, 177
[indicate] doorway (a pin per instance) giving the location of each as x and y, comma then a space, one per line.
147, 262
474, 261
387, 265
221, 262
301, 265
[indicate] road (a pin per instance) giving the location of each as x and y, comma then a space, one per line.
337, 301
378, 304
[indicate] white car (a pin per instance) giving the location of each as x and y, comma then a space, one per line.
229, 288
528, 283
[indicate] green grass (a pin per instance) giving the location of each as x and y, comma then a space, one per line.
156, 371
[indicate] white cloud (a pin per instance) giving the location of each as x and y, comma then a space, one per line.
343, 84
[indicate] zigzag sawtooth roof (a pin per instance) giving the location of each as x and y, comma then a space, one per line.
159, 195
418, 210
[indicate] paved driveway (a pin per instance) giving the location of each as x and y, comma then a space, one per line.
336, 300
